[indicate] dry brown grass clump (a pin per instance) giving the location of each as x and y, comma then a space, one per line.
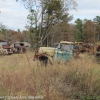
74, 80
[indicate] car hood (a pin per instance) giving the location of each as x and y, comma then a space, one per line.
6, 46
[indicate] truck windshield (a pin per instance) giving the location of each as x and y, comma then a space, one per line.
3, 43
65, 47
17, 44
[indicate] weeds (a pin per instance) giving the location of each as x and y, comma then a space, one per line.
77, 80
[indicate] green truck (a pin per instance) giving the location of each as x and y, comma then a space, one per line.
64, 51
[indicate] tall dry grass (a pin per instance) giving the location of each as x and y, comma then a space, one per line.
78, 79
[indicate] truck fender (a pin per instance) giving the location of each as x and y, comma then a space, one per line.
47, 56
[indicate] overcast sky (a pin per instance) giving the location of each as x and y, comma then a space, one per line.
14, 15
88, 9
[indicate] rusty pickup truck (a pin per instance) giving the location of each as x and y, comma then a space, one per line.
64, 51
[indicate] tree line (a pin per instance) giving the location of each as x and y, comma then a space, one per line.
48, 23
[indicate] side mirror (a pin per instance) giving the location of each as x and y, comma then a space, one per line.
58, 47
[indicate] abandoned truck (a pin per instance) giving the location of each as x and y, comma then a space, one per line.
64, 51
20, 47
5, 47
97, 54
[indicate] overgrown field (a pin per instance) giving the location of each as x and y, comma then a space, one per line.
20, 76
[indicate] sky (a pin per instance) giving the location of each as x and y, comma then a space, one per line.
14, 15
88, 9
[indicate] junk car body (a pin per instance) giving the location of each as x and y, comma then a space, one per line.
6, 46
64, 51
